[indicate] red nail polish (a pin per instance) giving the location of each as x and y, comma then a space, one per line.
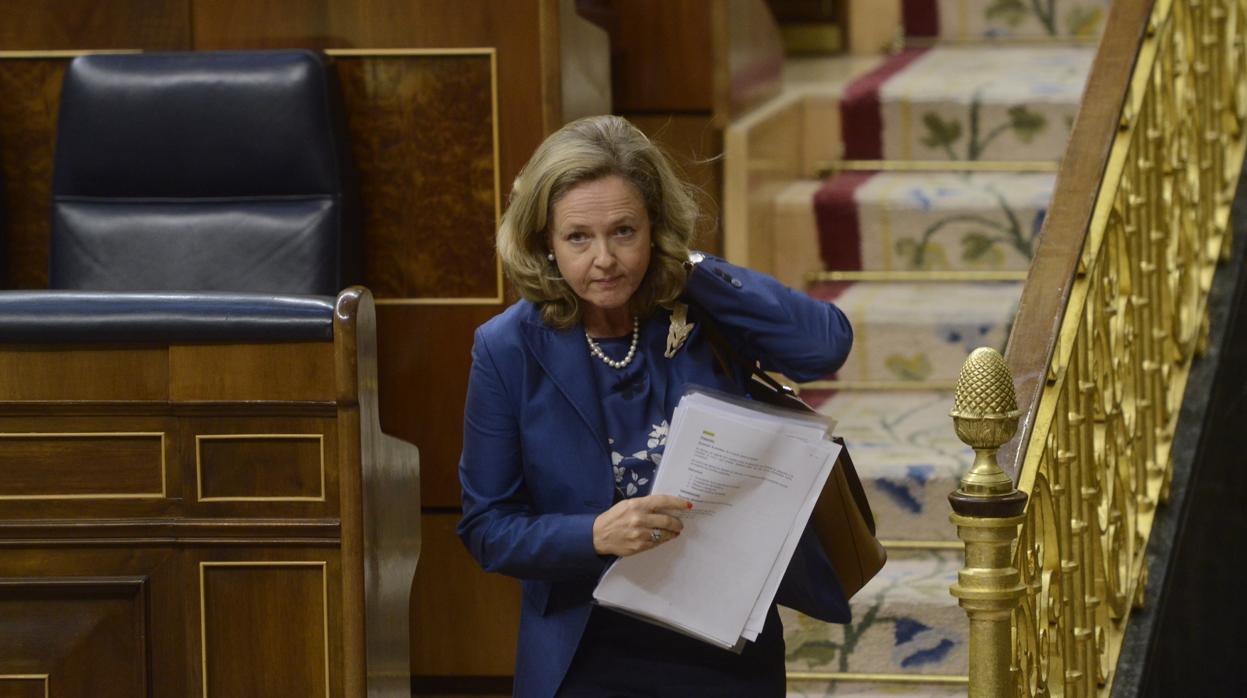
690, 505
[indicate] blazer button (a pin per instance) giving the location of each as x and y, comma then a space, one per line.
736, 283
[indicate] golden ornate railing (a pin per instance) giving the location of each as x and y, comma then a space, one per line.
1101, 394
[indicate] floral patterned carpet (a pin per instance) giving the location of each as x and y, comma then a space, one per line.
932, 220
919, 331
904, 447
1003, 19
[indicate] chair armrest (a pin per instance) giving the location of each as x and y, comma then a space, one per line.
162, 317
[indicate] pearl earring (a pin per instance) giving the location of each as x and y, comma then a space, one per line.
550, 256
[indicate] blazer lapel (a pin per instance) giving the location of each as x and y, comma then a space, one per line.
654, 337
562, 354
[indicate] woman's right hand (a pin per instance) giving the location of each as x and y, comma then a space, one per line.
628, 527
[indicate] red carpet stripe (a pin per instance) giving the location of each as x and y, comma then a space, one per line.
839, 230
861, 121
920, 17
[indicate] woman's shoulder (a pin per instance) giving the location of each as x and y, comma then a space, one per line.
507, 325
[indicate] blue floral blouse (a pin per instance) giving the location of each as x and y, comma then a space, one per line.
636, 422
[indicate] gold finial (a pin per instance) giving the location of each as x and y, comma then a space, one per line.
985, 415
987, 509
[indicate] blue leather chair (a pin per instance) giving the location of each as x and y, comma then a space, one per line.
223, 177
202, 172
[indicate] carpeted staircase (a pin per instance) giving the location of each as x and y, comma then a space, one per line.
966, 124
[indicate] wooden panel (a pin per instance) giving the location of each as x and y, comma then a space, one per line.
76, 631
86, 474
225, 476
662, 56
89, 24
75, 465
464, 621
694, 144
293, 371
527, 105
47, 615
513, 28
422, 133
32, 91
424, 354
23, 686
272, 24
264, 629
57, 373
260, 467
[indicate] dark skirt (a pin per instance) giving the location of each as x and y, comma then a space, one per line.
621, 657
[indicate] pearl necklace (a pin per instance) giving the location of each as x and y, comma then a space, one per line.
596, 349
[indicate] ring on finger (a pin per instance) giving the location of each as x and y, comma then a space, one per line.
655, 535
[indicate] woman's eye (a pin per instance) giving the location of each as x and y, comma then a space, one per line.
625, 230
576, 237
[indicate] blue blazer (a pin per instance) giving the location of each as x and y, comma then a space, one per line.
536, 467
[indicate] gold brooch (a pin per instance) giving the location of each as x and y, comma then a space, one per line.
680, 329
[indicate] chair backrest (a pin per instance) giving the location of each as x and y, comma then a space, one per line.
202, 172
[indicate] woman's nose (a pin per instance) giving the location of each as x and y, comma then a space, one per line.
603, 254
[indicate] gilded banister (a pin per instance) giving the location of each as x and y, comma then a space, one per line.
1113, 313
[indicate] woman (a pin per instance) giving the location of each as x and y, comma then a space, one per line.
569, 398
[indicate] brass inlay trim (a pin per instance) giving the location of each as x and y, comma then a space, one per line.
832, 166
164, 478
200, 438
28, 677
70, 53
923, 544
203, 626
942, 679
498, 297
439, 301
401, 52
1002, 41
879, 385
812, 37
915, 276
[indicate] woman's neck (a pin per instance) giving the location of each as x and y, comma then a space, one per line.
615, 322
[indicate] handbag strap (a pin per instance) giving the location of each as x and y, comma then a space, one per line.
722, 348
761, 386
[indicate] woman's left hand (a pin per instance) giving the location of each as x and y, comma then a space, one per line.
638, 524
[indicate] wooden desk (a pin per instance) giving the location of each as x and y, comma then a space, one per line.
215, 520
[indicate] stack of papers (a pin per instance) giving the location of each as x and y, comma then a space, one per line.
753, 473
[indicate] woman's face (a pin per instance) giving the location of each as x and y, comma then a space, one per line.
600, 237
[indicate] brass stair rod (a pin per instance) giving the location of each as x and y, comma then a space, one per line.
987, 510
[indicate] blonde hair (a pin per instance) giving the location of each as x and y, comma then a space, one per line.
586, 150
